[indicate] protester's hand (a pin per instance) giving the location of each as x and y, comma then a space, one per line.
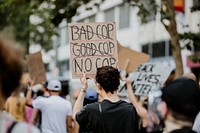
128, 83
84, 81
31, 82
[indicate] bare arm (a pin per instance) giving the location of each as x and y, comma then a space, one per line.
34, 116
6, 106
29, 93
79, 102
76, 127
29, 97
142, 112
69, 124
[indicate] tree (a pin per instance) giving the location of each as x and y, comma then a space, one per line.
172, 30
52, 12
16, 15
166, 9
10, 22
167, 18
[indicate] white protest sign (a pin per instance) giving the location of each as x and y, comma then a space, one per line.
92, 45
146, 76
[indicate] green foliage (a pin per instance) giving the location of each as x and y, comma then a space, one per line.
10, 11
16, 14
191, 39
147, 8
195, 58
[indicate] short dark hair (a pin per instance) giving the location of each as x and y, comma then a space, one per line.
109, 78
11, 67
182, 97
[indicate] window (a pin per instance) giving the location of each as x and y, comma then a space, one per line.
124, 16
145, 49
67, 35
110, 15
196, 2
63, 66
196, 6
170, 48
158, 49
64, 35
46, 65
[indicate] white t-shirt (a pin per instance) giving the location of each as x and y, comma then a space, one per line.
55, 110
6, 121
196, 125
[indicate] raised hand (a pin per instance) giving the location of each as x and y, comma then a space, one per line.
84, 81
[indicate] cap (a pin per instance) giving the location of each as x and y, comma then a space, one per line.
182, 96
91, 94
54, 85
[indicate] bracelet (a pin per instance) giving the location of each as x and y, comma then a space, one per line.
83, 90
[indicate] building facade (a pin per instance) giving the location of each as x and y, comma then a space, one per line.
150, 37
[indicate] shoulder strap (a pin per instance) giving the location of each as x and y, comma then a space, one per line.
9, 130
102, 121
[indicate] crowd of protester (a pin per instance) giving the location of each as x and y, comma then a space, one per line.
174, 109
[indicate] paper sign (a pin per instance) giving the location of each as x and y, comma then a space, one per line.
135, 58
92, 45
36, 67
146, 76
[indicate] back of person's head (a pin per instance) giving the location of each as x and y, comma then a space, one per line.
11, 67
54, 85
109, 78
190, 76
91, 96
182, 97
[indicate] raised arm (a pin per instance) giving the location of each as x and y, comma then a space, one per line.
79, 102
141, 111
29, 93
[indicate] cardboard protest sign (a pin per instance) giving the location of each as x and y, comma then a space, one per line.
36, 67
146, 76
92, 45
135, 58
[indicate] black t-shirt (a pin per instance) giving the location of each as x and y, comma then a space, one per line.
118, 117
183, 130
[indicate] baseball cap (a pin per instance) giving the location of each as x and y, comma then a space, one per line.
91, 94
182, 96
54, 85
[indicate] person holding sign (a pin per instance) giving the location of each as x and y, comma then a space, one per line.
92, 45
112, 115
56, 111
11, 69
